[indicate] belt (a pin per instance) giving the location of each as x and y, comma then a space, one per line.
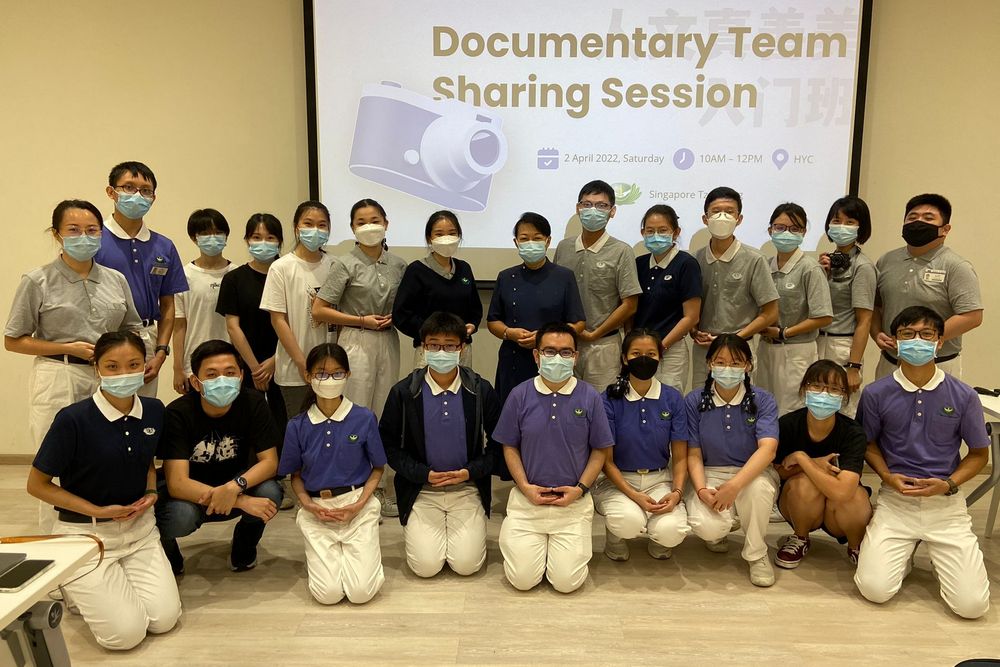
645, 471
69, 516
68, 358
939, 360
825, 333
148, 323
326, 494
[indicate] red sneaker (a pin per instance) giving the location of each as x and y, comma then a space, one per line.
792, 551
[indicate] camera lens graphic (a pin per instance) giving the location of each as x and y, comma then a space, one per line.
459, 151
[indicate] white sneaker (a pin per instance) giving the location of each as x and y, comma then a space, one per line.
288, 496
658, 551
389, 507
615, 548
761, 572
719, 546
776, 515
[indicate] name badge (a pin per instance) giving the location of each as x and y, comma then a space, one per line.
934, 276
159, 267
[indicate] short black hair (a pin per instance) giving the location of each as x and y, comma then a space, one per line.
131, 168
205, 221
928, 199
854, 208
667, 212
597, 188
822, 371
437, 216
67, 204
445, 324
554, 328
792, 210
365, 203
722, 192
536, 220
270, 223
112, 339
914, 315
213, 348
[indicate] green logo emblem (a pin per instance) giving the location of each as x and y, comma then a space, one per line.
626, 194
579, 412
948, 410
353, 437
465, 281
665, 414
751, 420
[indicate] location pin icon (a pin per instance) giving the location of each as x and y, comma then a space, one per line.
780, 158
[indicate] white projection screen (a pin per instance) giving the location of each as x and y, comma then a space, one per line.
493, 111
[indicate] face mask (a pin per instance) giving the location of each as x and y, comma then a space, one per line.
442, 361
555, 369
843, 234
594, 220
263, 251
531, 251
211, 244
81, 248
786, 241
916, 352
328, 388
728, 378
370, 234
122, 386
446, 246
221, 391
657, 243
642, 367
313, 238
721, 225
919, 234
133, 206
821, 404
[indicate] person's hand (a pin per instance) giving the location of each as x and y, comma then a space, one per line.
528, 341
181, 384
702, 338
301, 365
539, 495
263, 374
770, 332
470, 329
81, 350
569, 495
262, 508
586, 336
792, 460
153, 367
901, 482
220, 499
930, 486
346, 513
646, 502
668, 502
707, 496
384, 322
725, 496
824, 261
116, 512
139, 507
854, 379
315, 509
885, 342
447, 478
515, 334
826, 464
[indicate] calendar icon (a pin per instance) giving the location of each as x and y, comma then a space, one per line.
548, 158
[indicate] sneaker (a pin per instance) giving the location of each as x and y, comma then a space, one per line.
761, 572
244, 568
389, 507
615, 547
793, 549
736, 525
719, 546
776, 515
288, 496
852, 555
658, 551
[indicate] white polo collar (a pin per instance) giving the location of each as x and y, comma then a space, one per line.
596, 247
653, 393
726, 256
931, 385
737, 399
565, 390
116, 229
437, 389
316, 415
789, 265
653, 264
113, 414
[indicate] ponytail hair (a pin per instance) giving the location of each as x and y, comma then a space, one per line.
739, 349
619, 387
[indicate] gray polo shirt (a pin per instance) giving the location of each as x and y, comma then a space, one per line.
432, 264
940, 280
734, 287
54, 303
605, 273
854, 288
356, 285
802, 293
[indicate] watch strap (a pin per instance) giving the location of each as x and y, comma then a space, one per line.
583, 487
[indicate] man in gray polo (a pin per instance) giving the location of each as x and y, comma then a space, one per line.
925, 273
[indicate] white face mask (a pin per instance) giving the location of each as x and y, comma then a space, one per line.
328, 388
722, 225
370, 234
446, 246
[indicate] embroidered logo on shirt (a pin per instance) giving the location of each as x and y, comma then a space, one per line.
149, 430
737, 275
579, 412
665, 414
353, 437
668, 277
789, 285
465, 281
751, 420
948, 410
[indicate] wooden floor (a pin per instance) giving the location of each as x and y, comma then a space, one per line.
698, 606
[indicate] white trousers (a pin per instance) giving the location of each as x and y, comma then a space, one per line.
546, 540
133, 591
944, 525
343, 559
780, 368
599, 362
464, 359
374, 357
675, 366
838, 349
626, 520
753, 505
148, 336
446, 526
952, 367
699, 365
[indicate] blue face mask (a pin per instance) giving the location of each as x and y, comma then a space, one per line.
555, 369
657, 243
263, 251
594, 220
313, 238
442, 361
221, 391
531, 251
133, 206
822, 404
843, 235
916, 352
786, 241
211, 244
728, 378
81, 248
122, 386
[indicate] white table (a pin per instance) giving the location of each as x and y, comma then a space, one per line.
991, 408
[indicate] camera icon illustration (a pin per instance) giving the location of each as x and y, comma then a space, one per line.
443, 151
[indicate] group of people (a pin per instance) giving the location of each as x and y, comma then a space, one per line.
288, 368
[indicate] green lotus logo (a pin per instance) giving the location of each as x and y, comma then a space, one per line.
948, 410
353, 437
626, 194
665, 414
579, 412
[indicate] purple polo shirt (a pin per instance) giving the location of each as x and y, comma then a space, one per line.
339, 450
726, 434
444, 425
554, 431
644, 426
919, 429
149, 262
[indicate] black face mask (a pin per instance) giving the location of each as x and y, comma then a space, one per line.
643, 367
919, 234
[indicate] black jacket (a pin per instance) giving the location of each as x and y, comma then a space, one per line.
402, 431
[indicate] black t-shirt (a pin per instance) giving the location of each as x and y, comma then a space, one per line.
847, 440
240, 295
218, 449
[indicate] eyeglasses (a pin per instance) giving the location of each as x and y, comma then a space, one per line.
74, 232
336, 375
910, 334
733, 364
788, 228
130, 189
833, 391
434, 347
565, 353
600, 206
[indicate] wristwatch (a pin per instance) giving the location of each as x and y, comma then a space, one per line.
164, 348
241, 482
952, 487
853, 364
584, 488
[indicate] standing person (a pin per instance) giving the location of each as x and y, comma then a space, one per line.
436, 429
852, 281
289, 291
803, 305
670, 303
438, 283
642, 491
102, 449
527, 296
916, 420
732, 440
335, 457
926, 273
148, 260
605, 272
738, 293
555, 438
195, 319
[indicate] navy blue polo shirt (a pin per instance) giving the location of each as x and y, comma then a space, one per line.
98, 453
726, 434
644, 426
665, 289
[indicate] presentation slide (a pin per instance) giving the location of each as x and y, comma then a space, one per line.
491, 112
